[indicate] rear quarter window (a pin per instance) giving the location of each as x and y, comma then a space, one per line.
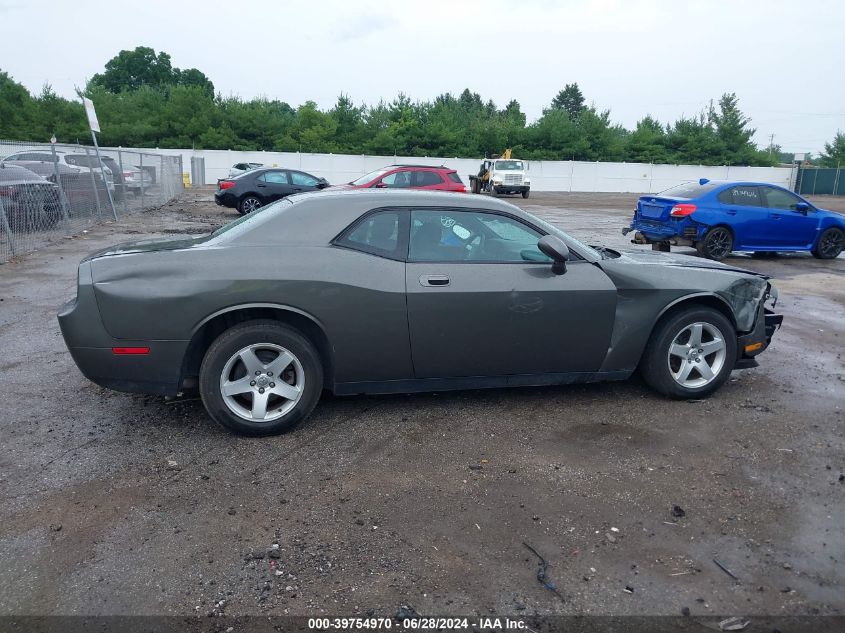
454, 177
741, 196
689, 190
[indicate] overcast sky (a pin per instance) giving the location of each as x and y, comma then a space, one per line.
664, 57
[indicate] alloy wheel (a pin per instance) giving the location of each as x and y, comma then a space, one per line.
719, 243
831, 244
262, 382
697, 355
251, 204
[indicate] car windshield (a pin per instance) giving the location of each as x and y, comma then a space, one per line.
363, 180
509, 165
689, 190
244, 223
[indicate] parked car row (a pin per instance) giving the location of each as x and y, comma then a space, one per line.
31, 197
253, 188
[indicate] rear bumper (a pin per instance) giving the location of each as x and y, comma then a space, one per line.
225, 199
92, 348
681, 233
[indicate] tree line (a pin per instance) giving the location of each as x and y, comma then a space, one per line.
142, 100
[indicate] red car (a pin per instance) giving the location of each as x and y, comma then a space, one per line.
411, 177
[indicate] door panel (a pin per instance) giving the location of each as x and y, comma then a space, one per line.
480, 319
274, 185
787, 227
744, 210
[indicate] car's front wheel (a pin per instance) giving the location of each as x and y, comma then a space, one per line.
830, 244
260, 378
716, 244
249, 204
526, 193
690, 354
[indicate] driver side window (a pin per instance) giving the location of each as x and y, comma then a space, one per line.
457, 236
780, 199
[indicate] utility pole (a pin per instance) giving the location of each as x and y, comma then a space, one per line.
772, 144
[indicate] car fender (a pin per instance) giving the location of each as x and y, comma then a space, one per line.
248, 306
697, 295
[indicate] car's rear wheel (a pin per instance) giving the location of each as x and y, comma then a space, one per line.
690, 354
716, 244
249, 204
260, 378
830, 244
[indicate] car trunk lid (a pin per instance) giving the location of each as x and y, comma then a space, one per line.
656, 208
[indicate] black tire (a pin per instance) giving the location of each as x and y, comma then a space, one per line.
716, 244
248, 204
476, 186
258, 333
525, 193
657, 365
830, 244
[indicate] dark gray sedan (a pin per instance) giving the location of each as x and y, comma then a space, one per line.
381, 291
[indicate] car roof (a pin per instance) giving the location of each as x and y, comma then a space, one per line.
410, 197
440, 167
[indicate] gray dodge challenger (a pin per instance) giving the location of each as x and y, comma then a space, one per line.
386, 291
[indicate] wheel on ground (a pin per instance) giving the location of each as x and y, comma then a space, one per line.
493, 191
716, 244
249, 204
830, 244
476, 186
690, 354
260, 378
525, 193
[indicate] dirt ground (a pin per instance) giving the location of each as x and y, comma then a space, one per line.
123, 504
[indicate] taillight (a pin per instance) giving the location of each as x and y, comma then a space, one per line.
462, 189
682, 210
130, 351
226, 184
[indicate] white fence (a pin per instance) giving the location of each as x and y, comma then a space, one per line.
544, 175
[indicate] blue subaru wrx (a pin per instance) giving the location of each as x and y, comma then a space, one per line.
719, 217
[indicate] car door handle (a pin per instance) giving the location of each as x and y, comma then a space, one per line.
260, 185
297, 188
434, 280
731, 212
775, 216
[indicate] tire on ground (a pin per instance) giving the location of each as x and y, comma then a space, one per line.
830, 244
250, 333
655, 366
716, 244
244, 204
525, 193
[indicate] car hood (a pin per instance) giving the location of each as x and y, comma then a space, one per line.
682, 261
147, 246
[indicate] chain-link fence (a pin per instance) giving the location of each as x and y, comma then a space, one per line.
50, 191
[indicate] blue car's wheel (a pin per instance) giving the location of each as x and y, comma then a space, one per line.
830, 244
717, 243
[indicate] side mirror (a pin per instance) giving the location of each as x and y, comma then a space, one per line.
802, 207
380, 185
322, 184
555, 248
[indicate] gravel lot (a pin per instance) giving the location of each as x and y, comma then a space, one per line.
121, 504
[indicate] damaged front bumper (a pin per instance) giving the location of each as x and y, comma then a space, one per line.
758, 340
